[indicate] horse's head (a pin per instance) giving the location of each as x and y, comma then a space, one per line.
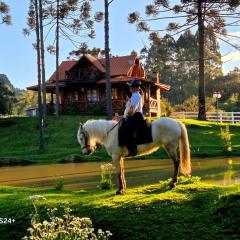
84, 141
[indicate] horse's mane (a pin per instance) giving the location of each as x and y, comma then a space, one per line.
97, 121
99, 125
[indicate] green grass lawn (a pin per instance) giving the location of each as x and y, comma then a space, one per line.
190, 211
19, 140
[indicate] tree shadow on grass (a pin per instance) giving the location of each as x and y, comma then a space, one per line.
152, 217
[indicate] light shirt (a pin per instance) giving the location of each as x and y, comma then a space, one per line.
135, 102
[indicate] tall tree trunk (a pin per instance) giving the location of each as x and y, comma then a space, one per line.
201, 93
40, 110
44, 100
57, 63
107, 63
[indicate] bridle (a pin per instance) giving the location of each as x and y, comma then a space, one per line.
86, 146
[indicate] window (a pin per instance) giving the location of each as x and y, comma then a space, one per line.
69, 97
75, 96
114, 93
92, 95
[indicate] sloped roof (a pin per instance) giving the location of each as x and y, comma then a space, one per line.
95, 62
126, 79
120, 79
119, 65
63, 67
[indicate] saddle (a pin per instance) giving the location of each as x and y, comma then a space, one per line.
141, 136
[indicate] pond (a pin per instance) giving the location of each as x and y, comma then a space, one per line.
78, 176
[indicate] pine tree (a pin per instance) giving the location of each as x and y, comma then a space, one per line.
176, 61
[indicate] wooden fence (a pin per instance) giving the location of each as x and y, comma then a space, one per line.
230, 117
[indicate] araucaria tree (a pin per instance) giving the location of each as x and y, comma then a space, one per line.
99, 17
66, 19
71, 20
35, 24
107, 59
5, 18
207, 16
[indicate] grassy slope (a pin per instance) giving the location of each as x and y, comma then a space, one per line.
192, 211
20, 141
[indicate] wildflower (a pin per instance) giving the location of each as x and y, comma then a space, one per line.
66, 227
106, 176
37, 198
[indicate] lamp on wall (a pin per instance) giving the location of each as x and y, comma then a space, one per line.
217, 95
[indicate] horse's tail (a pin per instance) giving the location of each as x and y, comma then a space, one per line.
185, 161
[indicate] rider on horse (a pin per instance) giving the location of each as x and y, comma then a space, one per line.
133, 116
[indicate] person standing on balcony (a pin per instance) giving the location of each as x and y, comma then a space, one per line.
134, 117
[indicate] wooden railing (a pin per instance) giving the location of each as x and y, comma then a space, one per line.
153, 105
118, 105
87, 107
230, 117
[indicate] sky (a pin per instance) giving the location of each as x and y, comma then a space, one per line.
18, 58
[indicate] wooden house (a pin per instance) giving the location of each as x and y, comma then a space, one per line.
82, 85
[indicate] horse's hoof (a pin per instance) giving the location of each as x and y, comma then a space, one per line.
119, 192
172, 184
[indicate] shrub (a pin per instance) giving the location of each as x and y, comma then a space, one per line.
65, 227
226, 139
59, 184
50, 109
181, 180
232, 104
189, 180
71, 110
166, 108
106, 176
191, 105
95, 109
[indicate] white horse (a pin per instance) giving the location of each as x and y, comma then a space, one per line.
166, 132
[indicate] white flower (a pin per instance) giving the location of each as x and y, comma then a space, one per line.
35, 198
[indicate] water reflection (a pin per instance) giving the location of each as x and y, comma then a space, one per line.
223, 171
78, 176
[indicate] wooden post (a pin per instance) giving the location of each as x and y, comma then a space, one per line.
149, 96
201, 77
107, 62
51, 97
57, 64
156, 76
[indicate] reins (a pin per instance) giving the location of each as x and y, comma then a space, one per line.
114, 126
